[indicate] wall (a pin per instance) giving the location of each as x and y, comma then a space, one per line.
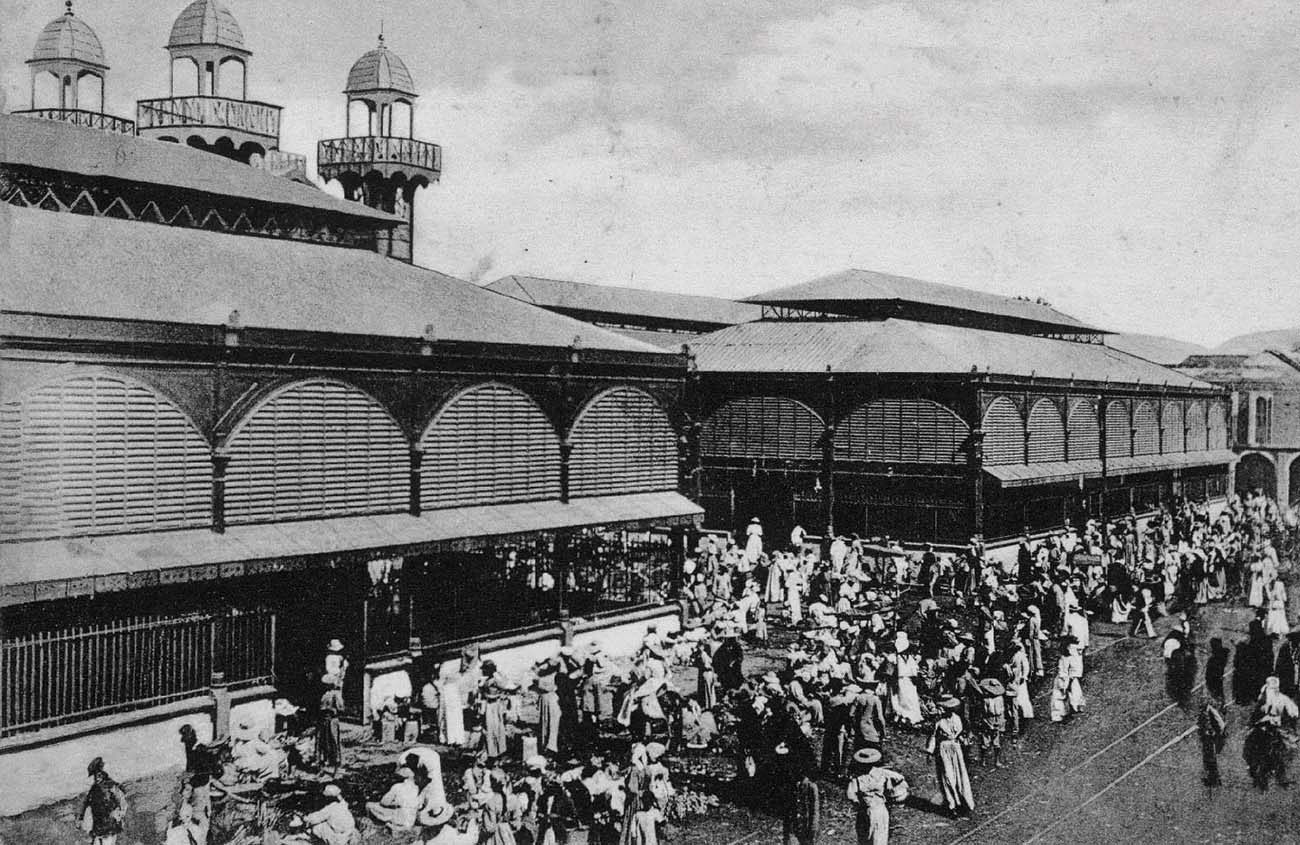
41, 774
622, 638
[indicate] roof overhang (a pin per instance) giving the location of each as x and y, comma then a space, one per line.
1059, 472
44, 570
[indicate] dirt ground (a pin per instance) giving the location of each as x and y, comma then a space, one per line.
1128, 769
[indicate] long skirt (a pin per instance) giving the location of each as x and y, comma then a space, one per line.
329, 741
1023, 704
707, 689
548, 728
954, 780
1074, 696
773, 591
873, 824
451, 721
1256, 596
906, 703
494, 727
794, 605
1276, 622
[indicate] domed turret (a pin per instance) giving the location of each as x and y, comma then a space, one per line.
380, 162
68, 75
206, 22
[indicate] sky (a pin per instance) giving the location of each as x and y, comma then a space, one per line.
1136, 164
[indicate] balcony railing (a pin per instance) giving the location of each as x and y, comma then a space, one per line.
280, 163
374, 149
81, 117
253, 118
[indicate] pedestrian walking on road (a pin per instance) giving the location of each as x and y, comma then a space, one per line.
950, 760
871, 791
104, 810
1214, 732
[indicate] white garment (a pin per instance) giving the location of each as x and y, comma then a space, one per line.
452, 721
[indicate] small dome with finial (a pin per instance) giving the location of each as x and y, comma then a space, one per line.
206, 22
380, 70
69, 38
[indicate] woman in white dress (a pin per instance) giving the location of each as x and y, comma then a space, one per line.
903, 698
753, 541
1275, 601
451, 717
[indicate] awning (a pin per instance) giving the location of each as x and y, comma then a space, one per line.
1051, 472
50, 569
1148, 463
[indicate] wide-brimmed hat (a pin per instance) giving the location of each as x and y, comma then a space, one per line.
655, 750
283, 707
949, 702
992, 687
332, 790
335, 645
405, 773
867, 756
536, 762
444, 814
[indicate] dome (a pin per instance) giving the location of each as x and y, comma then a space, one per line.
206, 22
380, 70
69, 38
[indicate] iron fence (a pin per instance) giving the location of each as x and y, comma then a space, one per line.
72, 674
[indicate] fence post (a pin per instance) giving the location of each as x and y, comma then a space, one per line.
218, 688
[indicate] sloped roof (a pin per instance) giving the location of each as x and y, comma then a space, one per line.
906, 346
380, 70
630, 302
68, 37
1270, 367
1166, 351
860, 292
206, 22
55, 145
74, 265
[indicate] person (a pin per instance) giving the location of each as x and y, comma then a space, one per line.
950, 760
1214, 732
1275, 622
496, 815
493, 698
398, 808
797, 535
636, 791
329, 731
333, 823
644, 826
753, 541
1143, 605
868, 719
254, 758
185, 829
475, 777
555, 812
426, 762
336, 664
907, 665
699, 727
438, 828
548, 711
1019, 706
431, 708
992, 719
104, 810
870, 791
796, 794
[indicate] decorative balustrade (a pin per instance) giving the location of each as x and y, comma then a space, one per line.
248, 116
342, 153
81, 117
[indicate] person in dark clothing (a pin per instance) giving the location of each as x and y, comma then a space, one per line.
727, 661
1287, 665
104, 809
1215, 667
1214, 732
1252, 664
795, 792
555, 811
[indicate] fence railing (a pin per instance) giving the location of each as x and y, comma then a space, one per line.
81, 117
206, 111
378, 149
72, 674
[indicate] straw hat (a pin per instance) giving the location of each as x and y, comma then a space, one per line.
867, 756
949, 702
336, 645
992, 687
655, 750
332, 790
444, 814
902, 642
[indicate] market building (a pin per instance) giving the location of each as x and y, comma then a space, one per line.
1266, 400
236, 422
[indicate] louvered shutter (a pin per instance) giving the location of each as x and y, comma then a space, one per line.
1085, 433
316, 449
763, 427
622, 443
1196, 439
100, 454
1172, 422
490, 444
902, 431
1004, 433
1146, 430
1218, 425
1046, 433
1118, 436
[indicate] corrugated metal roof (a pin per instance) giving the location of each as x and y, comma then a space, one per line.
667, 341
380, 70
55, 145
861, 286
1261, 367
69, 264
127, 554
1166, 351
1051, 472
69, 37
633, 302
1145, 463
905, 346
206, 22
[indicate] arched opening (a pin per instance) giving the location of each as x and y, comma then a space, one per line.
1046, 433
90, 92
399, 119
1263, 421
45, 91
623, 442
1084, 432
1004, 433
1256, 472
1293, 485
359, 117
232, 80
185, 77
68, 94
1119, 431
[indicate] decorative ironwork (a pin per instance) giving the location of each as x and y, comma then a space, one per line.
280, 163
81, 117
342, 154
248, 116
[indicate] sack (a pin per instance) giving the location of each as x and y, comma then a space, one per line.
898, 792
87, 820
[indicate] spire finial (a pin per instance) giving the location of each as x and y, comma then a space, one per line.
381, 30
68, 5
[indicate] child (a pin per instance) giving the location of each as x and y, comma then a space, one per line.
645, 821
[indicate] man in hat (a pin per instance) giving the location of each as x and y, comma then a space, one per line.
104, 810
992, 720
336, 665
398, 808
868, 718
332, 824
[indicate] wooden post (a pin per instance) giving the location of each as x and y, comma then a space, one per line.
219, 464
828, 456
417, 461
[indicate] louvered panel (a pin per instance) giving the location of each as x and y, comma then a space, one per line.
99, 454
763, 427
901, 431
1084, 432
1118, 432
316, 449
1004, 433
622, 442
1217, 423
1146, 430
1196, 435
490, 444
1046, 433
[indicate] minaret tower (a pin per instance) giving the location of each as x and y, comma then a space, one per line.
380, 163
69, 72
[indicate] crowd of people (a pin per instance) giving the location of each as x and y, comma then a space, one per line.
952, 645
